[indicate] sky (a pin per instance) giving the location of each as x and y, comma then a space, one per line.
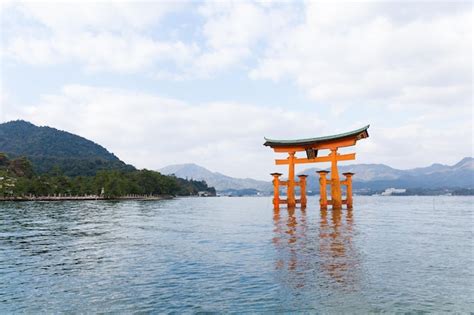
160, 83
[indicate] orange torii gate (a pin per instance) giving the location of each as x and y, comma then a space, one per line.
312, 146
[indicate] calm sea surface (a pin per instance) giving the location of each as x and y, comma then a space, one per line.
393, 254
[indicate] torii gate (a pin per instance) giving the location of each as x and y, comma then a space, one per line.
312, 146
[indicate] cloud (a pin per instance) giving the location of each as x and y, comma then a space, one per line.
405, 68
232, 30
352, 53
96, 16
151, 131
131, 38
101, 52
110, 37
338, 53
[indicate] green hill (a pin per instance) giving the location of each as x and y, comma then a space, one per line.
48, 148
19, 182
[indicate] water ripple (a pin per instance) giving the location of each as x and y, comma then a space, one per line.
407, 254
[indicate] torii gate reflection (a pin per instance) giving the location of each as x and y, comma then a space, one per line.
326, 248
339, 257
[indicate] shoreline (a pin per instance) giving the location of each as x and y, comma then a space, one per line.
85, 198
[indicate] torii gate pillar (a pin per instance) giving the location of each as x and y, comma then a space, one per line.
323, 199
302, 184
276, 190
336, 196
291, 200
348, 183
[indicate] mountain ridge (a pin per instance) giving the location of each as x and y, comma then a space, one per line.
368, 176
49, 148
381, 176
218, 180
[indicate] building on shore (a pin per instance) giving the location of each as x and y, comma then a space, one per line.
393, 191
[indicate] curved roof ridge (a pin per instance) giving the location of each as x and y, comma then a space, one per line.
269, 142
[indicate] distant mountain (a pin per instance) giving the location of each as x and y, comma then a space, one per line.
380, 176
220, 181
48, 147
373, 177
465, 164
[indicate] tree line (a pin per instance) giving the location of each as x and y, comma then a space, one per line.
18, 178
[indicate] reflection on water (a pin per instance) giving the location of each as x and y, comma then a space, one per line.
289, 236
338, 257
236, 255
325, 244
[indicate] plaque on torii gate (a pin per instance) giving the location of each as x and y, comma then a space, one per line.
312, 147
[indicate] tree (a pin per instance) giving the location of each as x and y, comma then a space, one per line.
18, 179
21, 167
4, 161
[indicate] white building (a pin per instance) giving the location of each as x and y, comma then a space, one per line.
393, 191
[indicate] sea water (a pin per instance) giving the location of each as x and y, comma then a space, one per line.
395, 254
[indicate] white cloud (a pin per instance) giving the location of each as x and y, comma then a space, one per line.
405, 68
352, 53
122, 37
233, 29
78, 16
151, 131
100, 36
338, 52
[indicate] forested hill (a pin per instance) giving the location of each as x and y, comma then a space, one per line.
49, 148
18, 181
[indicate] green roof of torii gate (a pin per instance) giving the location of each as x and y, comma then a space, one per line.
360, 133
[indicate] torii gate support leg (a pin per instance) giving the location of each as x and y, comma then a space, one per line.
323, 200
291, 180
349, 189
336, 197
276, 190
302, 183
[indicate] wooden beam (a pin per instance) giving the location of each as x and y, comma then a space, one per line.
340, 157
319, 146
288, 149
